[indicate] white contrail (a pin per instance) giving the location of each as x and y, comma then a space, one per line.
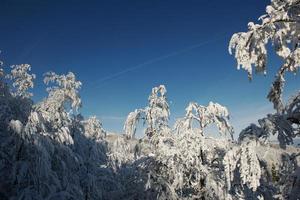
154, 60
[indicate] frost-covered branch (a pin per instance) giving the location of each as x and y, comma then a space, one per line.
131, 122
94, 129
67, 89
22, 80
50, 115
280, 26
244, 160
285, 125
213, 113
155, 115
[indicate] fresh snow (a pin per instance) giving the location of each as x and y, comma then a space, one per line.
48, 150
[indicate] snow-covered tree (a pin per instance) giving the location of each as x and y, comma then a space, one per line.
51, 115
91, 145
94, 129
15, 104
66, 90
49, 151
155, 115
22, 80
279, 26
187, 165
242, 169
213, 113
131, 122
53, 154
285, 126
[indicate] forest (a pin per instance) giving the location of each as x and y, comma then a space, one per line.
49, 150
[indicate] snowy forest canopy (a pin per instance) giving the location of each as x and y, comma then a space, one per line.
48, 150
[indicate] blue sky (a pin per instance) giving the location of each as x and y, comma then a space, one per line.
121, 49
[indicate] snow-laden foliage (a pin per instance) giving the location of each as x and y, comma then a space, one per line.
181, 164
49, 151
242, 168
49, 154
15, 103
93, 152
50, 116
22, 80
67, 89
249, 165
255, 132
155, 115
16, 126
131, 122
286, 125
279, 26
167, 176
188, 166
120, 153
213, 113
94, 129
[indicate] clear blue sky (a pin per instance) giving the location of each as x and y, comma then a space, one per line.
121, 49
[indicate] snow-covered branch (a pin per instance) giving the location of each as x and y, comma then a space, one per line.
213, 113
22, 80
67, 89
280, 26
155, 115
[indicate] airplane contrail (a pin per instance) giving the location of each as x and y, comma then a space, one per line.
154, 60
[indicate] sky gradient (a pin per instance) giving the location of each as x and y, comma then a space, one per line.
121, 49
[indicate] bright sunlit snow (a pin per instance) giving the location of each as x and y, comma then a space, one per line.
51, 150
